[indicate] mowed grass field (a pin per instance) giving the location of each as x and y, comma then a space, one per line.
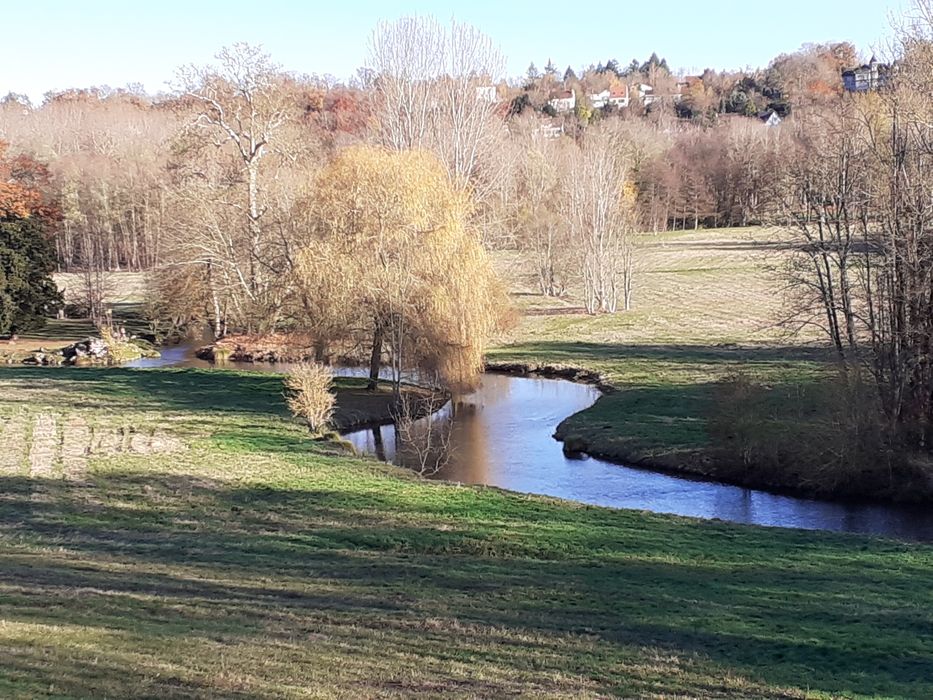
174, 534
125, 292
707, 304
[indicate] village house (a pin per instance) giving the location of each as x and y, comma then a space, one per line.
868, 78
487, 93
563, 101
645, 93
614, 98
770, 118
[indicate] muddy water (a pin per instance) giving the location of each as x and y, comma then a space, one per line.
501, 435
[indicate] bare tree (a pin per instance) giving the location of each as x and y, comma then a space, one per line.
436, 90
536, 208
857, 190
423, 436
235, 152
600, 210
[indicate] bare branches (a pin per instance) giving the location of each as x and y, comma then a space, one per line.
428, 77
424, 437
600, 205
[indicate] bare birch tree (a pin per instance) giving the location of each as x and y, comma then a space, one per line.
599, 207
433, 88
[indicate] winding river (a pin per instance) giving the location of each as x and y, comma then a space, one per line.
501, 435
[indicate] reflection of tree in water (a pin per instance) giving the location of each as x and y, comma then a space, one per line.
379, 446
471, 460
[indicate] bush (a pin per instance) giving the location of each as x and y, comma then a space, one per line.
826, 437
309, 396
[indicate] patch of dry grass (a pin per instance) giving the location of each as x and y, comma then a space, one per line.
708, 287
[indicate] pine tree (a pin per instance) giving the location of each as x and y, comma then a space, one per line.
532, 73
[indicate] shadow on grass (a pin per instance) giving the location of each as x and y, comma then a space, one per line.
160, 389
663, 354
179, 568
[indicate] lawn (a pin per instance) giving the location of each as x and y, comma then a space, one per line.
189, 540
707, 305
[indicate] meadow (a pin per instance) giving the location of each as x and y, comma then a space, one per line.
200, 544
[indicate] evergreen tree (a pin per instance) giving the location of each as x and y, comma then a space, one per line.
613, 67
27, 260
569, 75
550, 68
652, 62
532, 75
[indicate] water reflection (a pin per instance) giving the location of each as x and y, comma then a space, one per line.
502, 436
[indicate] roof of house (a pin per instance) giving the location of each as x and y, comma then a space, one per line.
873, 63
562, 95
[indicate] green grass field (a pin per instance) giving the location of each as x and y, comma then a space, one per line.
708, 304
172, 533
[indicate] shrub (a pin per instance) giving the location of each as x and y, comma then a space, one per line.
309, 396
827, 436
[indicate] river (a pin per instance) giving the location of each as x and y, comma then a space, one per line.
502, 435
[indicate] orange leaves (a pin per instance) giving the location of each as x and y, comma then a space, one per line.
19, 181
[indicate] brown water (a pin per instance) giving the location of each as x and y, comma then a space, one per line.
502, 435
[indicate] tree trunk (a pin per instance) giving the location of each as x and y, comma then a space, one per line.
375, 360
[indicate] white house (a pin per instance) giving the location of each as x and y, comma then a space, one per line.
563, 101
487, 93
550, 130
615, 98
645, 93
771, 119
872, 76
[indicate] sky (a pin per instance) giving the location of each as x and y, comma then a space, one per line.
81, 43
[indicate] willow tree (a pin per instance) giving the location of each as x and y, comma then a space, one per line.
393, 248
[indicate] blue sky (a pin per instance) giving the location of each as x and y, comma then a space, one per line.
78, 43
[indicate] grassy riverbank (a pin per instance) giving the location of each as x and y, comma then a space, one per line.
206, 547
708, 309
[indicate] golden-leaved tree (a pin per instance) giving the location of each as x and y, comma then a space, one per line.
392, 253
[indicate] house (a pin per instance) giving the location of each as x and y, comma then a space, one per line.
487, 93
610, 98
770, 118
868, 78
563, 101
550, 130
688, 85
689, 82
645, 93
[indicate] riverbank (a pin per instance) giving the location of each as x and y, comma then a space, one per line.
230, 554
707, 311
357, 407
